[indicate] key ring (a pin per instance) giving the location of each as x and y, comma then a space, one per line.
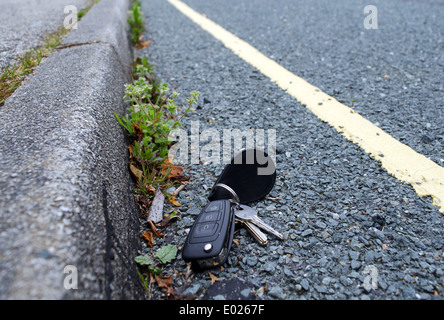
229, 189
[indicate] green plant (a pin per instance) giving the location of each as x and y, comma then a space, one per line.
162, 256
153, 114
136, 22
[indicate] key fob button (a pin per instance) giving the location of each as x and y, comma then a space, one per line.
213, 206
208, 247
211, 216
205, 229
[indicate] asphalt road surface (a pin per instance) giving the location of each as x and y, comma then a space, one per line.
348, 222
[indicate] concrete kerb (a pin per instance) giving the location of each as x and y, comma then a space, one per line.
66, 208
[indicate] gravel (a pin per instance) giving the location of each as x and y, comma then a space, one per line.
343, 214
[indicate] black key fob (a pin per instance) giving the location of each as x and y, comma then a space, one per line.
210, 238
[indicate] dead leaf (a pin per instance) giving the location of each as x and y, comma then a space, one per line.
176, 171
130, 148
236, 241
174, 201
165, 283
213, 278
167, 218
150, 188
384, 246
183, 179
156, 210
156, 232
137, 173
148, 237
138, 133
143, 44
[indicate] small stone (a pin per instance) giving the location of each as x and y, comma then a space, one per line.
277, 292
321, 224
192, 290
251, 261
246, 292
321, 289
354, 255
305, 285
355, 265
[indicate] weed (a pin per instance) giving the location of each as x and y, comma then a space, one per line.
153, 115
136, 22
153, 266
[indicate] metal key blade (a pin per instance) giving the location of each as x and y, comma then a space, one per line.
249, 214
257, 234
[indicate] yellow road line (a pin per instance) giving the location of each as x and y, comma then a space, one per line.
425, 176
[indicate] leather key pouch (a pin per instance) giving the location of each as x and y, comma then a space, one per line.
251, 174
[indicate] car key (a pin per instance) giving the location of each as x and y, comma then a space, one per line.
257, 234
209, 240
247, 213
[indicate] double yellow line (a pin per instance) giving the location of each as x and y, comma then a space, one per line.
425, 176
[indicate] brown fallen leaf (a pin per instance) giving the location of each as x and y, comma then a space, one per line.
174, 201
137, 173
130, 149
156, 232
165, 283
150, 188
167, 218
183, 179
213, 278
138, 133
143, 44
176, 171
148, 237
236, 241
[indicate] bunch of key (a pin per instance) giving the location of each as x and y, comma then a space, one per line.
209, 240
248, 217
